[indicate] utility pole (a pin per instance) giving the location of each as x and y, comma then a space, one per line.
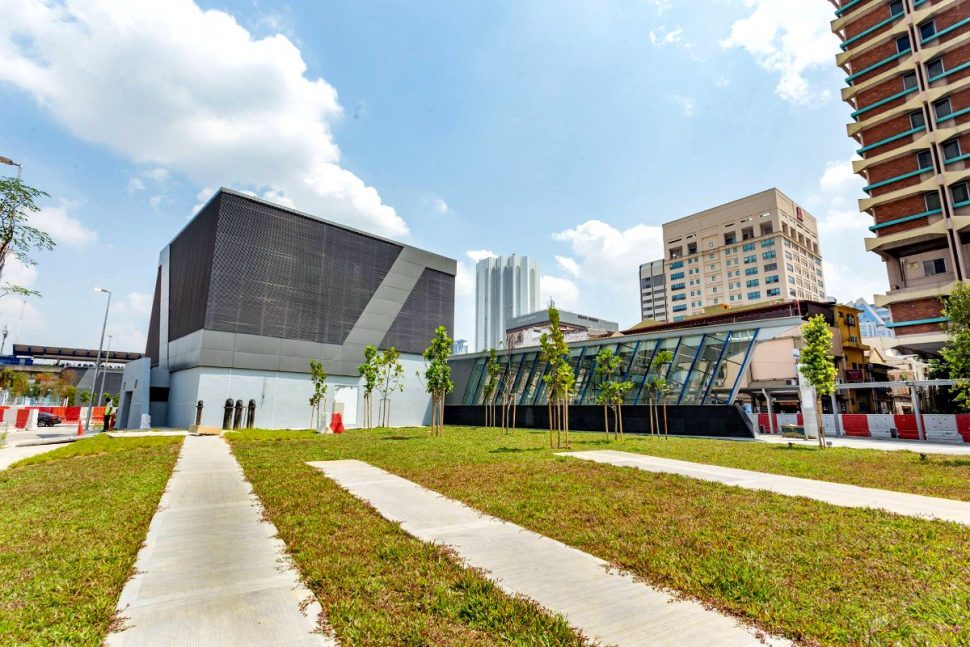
97, 363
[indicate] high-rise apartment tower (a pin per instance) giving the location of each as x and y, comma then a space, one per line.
907, 65
505, 287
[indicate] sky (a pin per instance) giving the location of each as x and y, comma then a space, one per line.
565, 130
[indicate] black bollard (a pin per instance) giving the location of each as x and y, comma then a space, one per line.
237, 419
198, 413
227, 415
251, 414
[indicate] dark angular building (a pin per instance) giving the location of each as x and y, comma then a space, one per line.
249, 292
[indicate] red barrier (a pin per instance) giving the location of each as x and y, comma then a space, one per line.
22, 415
855, 424
906, 426
337, 423
963, 426
72, 414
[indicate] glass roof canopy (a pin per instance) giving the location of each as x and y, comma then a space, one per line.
709, 365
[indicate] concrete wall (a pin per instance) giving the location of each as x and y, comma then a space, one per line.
134, 393
282, 398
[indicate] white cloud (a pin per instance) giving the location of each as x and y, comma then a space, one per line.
478, 254
788, 38
687, 104
62, 227
722, 82
155, 201
609, 257
170, 85
850, 271
663, 36
569, 265
440, 205
563, 292
135, 185
662, 6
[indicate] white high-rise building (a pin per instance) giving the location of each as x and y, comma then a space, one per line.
505, 287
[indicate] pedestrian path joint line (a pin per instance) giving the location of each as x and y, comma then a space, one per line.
840, 494
605, 604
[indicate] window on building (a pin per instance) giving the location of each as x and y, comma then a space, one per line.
909, 81
935, 68
791, 292
788, 255
917, 119
903, 44
770, 267
927, 30
754, 295
747, 233
773, 292
691, 248
934, 266
748, 247
768, 255
679, 297
924, 160
680, 308
770, 242
676, 275
751, 259
943, 108
951, 149
960, 193
896, 7
932, 201
771, 279
753, 283
789, 267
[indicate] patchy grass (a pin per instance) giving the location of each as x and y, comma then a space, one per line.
71, 525
817, 573
377, 585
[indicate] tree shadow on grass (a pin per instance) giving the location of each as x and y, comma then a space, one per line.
513, 450
590, 442
399, 438
954, 462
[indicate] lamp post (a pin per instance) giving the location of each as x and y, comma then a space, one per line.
104, 370
10, 162
6, 331
97, 363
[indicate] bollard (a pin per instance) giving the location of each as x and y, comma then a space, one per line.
227, 415
198, 413
251, 414
237, 418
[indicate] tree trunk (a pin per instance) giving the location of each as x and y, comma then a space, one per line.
606, 423
665, 417
819, 421
619, 412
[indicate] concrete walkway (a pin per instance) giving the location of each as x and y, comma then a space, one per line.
210, 571
605, 604
10, 455
884, 444
849, 496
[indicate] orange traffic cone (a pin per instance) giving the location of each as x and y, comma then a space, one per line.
80, 429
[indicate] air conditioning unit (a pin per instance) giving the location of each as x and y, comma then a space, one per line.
791, 382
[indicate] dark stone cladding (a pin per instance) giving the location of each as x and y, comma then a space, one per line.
280, 274
430, 304
727, 421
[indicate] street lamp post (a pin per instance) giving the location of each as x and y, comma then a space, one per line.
6, 331
10, 162
104, 370
97, 363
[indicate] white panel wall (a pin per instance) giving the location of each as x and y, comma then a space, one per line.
282, 399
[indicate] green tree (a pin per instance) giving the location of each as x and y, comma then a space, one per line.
318, 377
369, 372
611, 393
955, 354
818, 365
492, 370
18, 238
658, 387
437, 376
390, 376
559, 379
85, 398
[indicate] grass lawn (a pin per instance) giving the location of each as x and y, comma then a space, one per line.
814, 572
71, 523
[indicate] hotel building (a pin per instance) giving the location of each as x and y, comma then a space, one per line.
757, 249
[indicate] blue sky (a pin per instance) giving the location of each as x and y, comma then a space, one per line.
567, 130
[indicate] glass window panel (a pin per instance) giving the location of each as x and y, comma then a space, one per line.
706, 362
728, 374
471, 390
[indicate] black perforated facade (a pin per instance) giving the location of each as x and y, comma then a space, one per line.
190, 266
430, 304
279, 274
151, 348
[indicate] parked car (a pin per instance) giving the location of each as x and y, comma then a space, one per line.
45, 419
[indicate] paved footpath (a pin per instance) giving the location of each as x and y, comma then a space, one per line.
849, 496
210, 571
10, 455
603, 603
883, 444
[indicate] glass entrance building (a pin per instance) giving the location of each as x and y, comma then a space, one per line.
709, 365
